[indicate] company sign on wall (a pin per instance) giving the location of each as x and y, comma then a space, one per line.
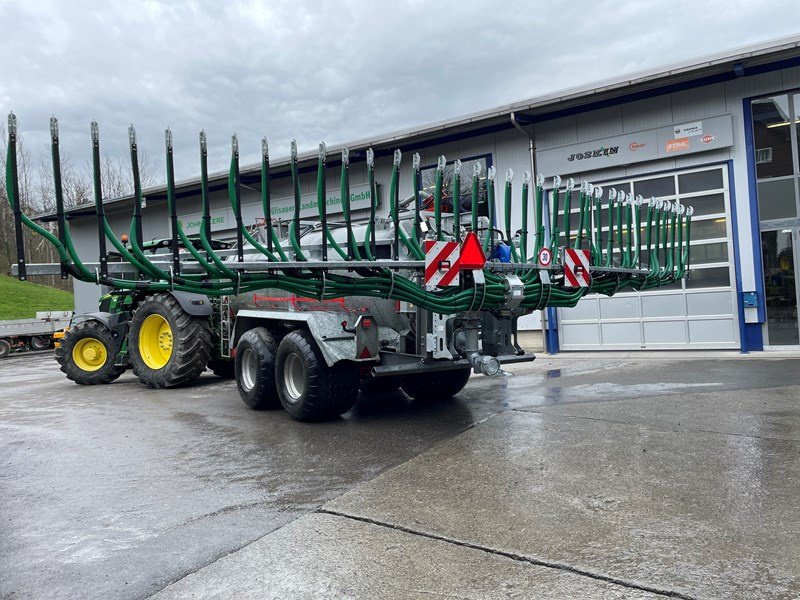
282, 209
651, 144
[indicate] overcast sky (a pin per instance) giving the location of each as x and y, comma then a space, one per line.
333, 71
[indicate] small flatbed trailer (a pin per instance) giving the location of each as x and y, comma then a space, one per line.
32, 334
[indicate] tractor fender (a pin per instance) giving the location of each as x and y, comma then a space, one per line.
116, 323
197, 305
110, 320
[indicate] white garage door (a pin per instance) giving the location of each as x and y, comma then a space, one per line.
698, 312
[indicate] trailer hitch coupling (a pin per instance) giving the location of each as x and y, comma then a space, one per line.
484, 364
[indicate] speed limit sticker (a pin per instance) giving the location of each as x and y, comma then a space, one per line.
545, 257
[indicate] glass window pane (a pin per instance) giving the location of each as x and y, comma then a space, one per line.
713, 277
700, 181
662, 186
428, 183
772, 137
706, 205
779, 287
776, 199
708, 253
713, 228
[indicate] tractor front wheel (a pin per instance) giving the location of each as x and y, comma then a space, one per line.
168, 346
86, 354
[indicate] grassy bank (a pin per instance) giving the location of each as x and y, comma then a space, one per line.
21, 299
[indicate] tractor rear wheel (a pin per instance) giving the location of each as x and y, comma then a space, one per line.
87, 353
168, 346
308, 388
430, 387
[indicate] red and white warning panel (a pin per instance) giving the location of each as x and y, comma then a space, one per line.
442, 263
576, 268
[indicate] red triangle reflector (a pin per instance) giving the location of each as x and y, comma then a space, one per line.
472, 256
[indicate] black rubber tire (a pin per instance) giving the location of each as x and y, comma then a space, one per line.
5, 349
191, 344
39, 343
224, 368
431, 387
88, 329
375, 386
264, 394
328, 391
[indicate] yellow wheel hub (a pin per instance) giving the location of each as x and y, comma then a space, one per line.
89, 354
155, 342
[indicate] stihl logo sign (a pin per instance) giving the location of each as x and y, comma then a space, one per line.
678, 145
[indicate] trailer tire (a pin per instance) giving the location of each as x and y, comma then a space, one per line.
87, 352
430, 387
308, 388
223, 368
375, 386
168, 346
255, 369
39, 343
5, 348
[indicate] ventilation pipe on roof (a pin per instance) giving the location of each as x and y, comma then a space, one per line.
518, 121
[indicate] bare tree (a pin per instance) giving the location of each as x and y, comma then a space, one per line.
37, 195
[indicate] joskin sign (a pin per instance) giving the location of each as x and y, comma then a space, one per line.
700, 135
282, 209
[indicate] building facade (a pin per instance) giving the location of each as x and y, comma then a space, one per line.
721, 133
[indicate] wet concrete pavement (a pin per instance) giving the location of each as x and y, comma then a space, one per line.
609, 477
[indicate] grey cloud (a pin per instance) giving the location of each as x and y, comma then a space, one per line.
328, 70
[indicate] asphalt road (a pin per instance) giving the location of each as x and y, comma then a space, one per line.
573, 477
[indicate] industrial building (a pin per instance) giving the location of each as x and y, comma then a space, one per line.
719, 132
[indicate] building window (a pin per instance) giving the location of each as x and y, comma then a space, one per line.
771, 130
775, 129
704, 189
428, 176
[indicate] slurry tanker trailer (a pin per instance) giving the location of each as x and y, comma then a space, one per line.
306, 315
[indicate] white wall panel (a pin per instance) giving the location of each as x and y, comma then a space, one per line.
619, 307
791, 78
556, 132
664, 305
709, 303
671, 333
711, 331
585, 309
696, 103
647, 114
599, 123
619, 333
579, 334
